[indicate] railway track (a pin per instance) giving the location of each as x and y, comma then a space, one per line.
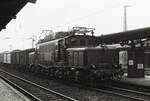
133, 94
110, 91
118, 91
33, 91
125, 85
130, 94
27, 94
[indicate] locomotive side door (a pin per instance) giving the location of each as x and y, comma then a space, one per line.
123, 59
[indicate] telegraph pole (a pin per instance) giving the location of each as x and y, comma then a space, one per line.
33, 39
33, 42
125, 16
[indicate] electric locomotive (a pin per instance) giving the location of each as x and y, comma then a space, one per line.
76, 57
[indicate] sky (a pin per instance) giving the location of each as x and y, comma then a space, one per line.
106, 16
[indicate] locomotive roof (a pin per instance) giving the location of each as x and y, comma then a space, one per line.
18, 50
64, 38
47, 42
40, 42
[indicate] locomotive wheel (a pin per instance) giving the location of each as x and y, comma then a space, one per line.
119, 77
116, 77
38, 69
59, 74
92, 81
30, 68
68, 75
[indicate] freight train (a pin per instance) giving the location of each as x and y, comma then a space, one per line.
74, 55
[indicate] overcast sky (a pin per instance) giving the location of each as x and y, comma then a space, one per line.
106, 16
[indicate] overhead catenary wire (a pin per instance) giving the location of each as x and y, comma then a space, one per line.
88, 15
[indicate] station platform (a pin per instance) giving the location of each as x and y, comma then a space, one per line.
8, 93
137, 81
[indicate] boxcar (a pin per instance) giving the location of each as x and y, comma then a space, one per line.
24, 56
21, 57
15, 57
7, 57
1, 57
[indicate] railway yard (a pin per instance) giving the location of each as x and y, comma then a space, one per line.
74, 65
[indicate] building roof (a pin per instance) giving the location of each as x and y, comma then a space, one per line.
9, 10
136, 34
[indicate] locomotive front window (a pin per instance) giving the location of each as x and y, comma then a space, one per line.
73, 42
82, 42
81, 59
90, 42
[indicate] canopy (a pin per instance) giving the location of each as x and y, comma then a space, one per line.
137, 34
9, 10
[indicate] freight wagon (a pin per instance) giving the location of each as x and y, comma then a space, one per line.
21, 57
5, 57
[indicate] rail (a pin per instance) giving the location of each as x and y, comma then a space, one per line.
36, 85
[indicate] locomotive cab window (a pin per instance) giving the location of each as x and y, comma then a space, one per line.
73, 42
76, 58
81, 58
